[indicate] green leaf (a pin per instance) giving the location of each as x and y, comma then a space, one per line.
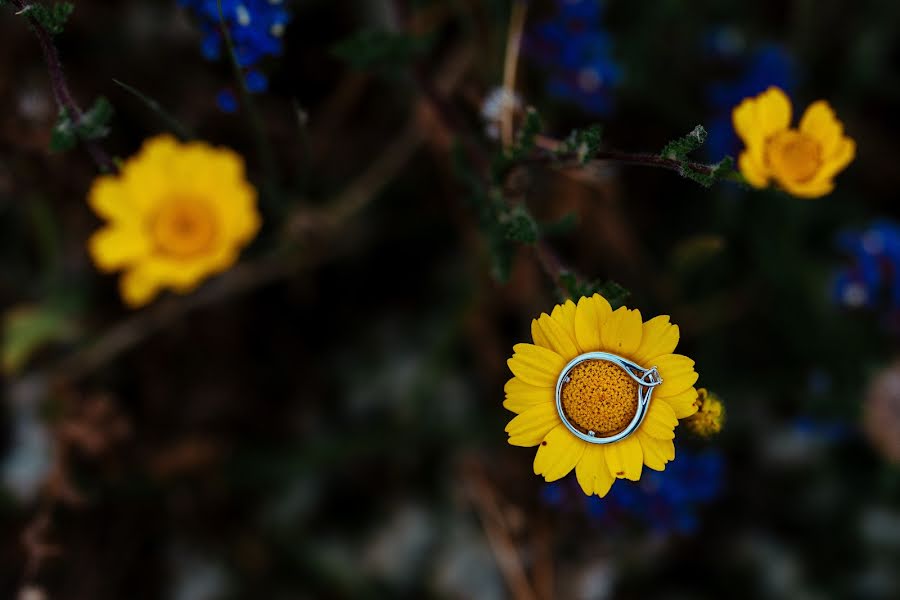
720, 170
522, 147
27, 329
519, 226
371, 49
94, 123
705, 175
53, 19
64, 137
680, 148
582, 144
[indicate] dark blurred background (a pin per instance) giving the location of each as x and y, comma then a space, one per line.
333, 428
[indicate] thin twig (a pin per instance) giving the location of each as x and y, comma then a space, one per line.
629, 158
64, 99
511, 61
177, 127
484, 500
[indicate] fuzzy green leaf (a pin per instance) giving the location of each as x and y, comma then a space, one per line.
519, 225
52, 18
64, 137
582, 144
680, 148
94, 123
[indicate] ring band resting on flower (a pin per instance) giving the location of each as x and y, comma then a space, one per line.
596, 384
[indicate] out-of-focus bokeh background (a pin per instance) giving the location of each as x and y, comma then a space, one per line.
325, 420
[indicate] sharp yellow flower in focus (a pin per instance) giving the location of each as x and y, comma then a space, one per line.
599, 391
802, 161
176, 214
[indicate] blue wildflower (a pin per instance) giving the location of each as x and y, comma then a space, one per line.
872, 279
576, 52
666, 502
227, 102
769, 65
256, 28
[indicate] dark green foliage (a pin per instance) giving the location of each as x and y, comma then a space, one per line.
522, 148
372, 49
519, 225
705, 175
94, 124
679, 149
52, 18
581, 144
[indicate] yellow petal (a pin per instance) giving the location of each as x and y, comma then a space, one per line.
529, 428
138, 286
755, 173
683, 404
660, 421
537, 334
520, 396
815, 188
536, 365
757, 119
658, 337
656, 452
109, 200
843, 154
621, 333
558, 454
677, 374
592, 473
113, 248
590, 314
625, 458
820, 123
557, 337
564, 314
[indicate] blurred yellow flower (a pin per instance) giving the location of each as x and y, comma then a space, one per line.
176, 214
710, 416
802, 161
600, 392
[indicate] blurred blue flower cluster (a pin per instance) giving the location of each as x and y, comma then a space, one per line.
665, 502
256, 28
575, 50
872, 279
768, 65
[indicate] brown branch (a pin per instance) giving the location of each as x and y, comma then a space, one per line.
484, 500
64, 99
628, 158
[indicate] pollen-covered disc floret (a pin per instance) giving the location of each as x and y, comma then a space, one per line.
599, 398
599, 392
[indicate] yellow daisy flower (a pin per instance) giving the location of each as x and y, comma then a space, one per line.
176, 214
600, 392
802, 161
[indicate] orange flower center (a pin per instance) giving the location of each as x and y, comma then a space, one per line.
184, 228
599, 398
795, 155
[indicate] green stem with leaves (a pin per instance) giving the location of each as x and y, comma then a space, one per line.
64, 99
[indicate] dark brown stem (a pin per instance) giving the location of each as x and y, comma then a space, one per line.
628, 158
61, 93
